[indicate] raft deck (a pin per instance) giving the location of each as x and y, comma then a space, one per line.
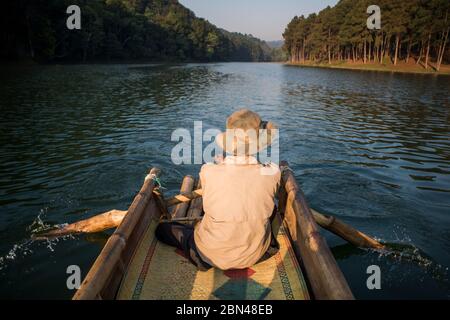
160, 272
134, 265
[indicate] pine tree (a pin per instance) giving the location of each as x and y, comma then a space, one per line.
416, 29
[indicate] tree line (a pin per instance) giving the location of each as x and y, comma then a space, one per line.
412, 31
119, 30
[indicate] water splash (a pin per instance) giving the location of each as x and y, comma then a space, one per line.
18, 250
25, 247
404, 252
39, 226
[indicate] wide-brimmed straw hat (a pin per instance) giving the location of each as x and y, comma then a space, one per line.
246, 134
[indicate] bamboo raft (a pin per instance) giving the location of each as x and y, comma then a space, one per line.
134, 265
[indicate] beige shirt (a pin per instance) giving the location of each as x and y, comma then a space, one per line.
238, 200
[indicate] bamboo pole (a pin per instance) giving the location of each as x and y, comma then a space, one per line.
196, 208
184, 197
346, 232
324, 275
112, 219
329, 223
98, 223
108, 267
180, 210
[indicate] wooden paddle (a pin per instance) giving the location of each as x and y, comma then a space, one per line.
112, 219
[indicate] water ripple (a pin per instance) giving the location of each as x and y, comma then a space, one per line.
372, 148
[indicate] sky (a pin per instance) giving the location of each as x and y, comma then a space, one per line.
264, 19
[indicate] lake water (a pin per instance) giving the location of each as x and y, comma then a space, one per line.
371, 148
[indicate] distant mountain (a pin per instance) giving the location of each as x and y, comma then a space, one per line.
119, 30
275, 44
248, 46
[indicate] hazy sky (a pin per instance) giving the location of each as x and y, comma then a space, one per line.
265, 19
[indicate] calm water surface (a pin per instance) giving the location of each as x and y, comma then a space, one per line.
371, 148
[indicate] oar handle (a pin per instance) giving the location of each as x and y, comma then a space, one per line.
184, 197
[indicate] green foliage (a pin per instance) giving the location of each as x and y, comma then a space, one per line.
410, 28
120, 30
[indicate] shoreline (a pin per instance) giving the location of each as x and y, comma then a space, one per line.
30, 63
401, 68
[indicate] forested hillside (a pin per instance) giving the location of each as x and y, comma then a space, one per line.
119, 30
275, 44
412, 31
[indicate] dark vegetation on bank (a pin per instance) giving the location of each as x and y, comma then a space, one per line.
120, 30
413, 32
414, 35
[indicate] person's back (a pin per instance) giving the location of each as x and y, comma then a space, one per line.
238, 202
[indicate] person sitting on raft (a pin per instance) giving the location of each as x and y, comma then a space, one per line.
238, 201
